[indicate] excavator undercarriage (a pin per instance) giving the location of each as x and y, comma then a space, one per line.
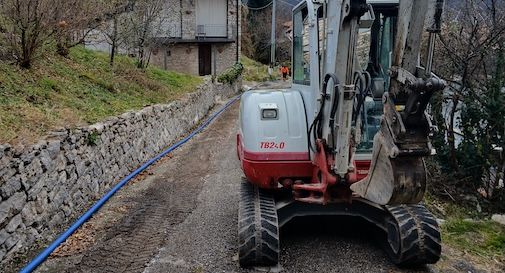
347, 139
411, 233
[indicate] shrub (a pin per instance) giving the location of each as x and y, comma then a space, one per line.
231, 74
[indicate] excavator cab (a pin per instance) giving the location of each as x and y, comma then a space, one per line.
375, 51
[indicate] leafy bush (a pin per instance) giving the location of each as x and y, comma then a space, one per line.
231, 74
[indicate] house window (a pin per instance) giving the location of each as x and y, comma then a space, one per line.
211, 18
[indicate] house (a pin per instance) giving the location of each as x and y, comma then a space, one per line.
199, 37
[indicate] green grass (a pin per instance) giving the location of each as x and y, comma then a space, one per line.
256, 72
469, 231
483, 238
78, 90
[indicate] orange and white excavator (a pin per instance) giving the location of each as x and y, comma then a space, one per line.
351, 134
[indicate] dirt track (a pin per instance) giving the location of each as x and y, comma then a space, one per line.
182, 217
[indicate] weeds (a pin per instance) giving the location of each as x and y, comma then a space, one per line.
93, 139
482, 238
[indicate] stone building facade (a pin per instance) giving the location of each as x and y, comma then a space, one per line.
199, 37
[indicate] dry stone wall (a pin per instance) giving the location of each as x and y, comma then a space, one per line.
45, 186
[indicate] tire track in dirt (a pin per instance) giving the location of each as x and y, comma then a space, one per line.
130, 244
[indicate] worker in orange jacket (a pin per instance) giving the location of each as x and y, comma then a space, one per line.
284, 72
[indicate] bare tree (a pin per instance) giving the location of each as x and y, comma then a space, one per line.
115, 29
114, 39
144, 25
77, 18
28, 25
471, 58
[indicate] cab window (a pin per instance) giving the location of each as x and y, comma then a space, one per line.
301, 53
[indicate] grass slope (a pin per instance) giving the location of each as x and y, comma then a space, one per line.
468, 235
481, 238
78, 90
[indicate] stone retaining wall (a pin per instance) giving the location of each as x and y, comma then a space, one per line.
45, 186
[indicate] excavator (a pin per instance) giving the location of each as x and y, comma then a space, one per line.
350, 137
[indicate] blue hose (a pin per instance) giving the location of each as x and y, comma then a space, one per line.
86, 216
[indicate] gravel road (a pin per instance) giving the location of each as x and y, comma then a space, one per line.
182, 216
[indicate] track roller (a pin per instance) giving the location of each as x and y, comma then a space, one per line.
413, 235
258, 228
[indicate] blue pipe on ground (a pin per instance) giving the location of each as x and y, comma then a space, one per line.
86, 216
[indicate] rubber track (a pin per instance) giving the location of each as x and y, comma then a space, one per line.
420, 241
258, 228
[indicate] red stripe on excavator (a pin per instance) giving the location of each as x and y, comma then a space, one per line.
285, 156
263, 170
266, 174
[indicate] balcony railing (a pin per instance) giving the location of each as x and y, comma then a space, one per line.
211, 31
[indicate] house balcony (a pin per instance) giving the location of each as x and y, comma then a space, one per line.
204, 34
211, 31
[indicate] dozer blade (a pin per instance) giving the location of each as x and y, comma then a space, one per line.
393, 179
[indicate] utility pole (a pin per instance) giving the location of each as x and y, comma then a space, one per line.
272, 49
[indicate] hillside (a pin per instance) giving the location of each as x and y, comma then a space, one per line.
256, 72
78, 90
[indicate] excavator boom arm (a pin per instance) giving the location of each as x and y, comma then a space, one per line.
398, 174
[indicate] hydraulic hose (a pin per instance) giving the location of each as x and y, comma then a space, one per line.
363, 82
334, 105
86, 216
316, 127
